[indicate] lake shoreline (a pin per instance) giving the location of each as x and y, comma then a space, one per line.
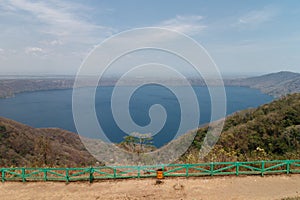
274, 84
53, 108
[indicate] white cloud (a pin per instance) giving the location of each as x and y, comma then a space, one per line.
33, 50
255, 18
2, 53
52, 42
59, 19
52, 34
190, 25
56, 42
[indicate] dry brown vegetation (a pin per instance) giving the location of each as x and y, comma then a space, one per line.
21, 145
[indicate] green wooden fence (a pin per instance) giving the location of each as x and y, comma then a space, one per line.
171, 170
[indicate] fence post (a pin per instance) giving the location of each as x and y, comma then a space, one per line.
91, 178
67, 175
23, 175
45, 175
237, 166
287, 166
3, 175
262, 167
139, 171
211, 168
187, 170
115, 172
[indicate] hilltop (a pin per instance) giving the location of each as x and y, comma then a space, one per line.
271, 131
274, 84
22, 145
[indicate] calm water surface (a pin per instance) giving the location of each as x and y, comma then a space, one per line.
53, 108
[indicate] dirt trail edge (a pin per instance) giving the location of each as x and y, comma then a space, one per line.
225, 187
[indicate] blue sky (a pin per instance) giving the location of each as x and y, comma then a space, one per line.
243, 37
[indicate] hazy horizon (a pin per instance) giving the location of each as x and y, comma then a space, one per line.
243, 38
228, 76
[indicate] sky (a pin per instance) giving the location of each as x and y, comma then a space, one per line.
243, 37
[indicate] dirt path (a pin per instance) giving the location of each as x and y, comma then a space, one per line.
230, 187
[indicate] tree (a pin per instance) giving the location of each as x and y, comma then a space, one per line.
43, 149
136, 142
2, 129
142, 140
130, 143
3, 132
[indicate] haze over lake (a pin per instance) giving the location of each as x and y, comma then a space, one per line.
53, 108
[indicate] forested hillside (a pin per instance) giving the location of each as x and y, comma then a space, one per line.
271, 131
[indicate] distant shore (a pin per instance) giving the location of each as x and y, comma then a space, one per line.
275, 84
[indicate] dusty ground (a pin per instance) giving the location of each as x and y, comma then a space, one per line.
229, 187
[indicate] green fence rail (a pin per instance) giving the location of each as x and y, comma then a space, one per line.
171, 170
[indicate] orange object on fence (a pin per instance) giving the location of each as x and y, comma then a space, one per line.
159, 174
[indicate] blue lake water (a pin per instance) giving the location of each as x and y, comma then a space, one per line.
53, 108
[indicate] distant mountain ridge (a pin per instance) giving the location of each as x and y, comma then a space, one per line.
275, 84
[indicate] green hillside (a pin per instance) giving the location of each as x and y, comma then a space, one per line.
271, 131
